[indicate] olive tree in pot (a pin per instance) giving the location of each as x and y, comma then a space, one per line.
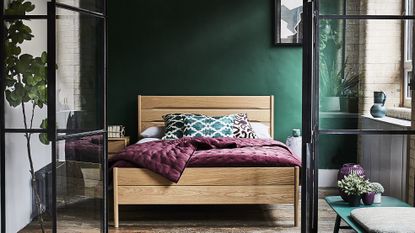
26, 85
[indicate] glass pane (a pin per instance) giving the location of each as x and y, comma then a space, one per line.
409, 39
92, 5
80, 72
22, 199
365, 7
26, 89
360, 75
80, 184
384, 159
24, 7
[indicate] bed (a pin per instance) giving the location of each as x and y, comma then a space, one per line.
218, 185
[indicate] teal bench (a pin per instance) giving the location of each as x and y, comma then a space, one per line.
343, 210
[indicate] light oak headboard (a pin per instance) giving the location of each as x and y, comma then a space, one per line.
152, 108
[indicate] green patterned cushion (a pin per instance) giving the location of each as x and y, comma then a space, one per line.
174, 125
205, 126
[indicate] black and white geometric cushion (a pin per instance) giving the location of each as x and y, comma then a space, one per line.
242, 128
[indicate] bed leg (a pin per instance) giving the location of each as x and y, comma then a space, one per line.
296, 197
115, 184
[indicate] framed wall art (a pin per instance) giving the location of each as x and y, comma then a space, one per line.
288, 22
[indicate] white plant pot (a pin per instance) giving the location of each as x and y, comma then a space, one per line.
330, 104
378, 198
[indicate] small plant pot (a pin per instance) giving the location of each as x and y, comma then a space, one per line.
378, 198
368, 198
354, 200
330, 104
344, 195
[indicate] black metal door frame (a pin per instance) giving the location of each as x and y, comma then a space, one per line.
52, 131
3, 129
307, 171
51, 110
310, 108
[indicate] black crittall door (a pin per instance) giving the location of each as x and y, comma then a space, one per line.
356, 53
76, 34
53, 116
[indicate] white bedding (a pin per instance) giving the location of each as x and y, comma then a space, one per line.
143, 140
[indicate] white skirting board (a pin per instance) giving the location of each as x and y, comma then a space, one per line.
327, 178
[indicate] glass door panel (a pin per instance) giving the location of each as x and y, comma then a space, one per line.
361, 112
359, 59
383, 157
18, 7
80, 180
25, 65
365, 7
24, 198
80, 117
52, 117
80, 72
90, 5
26, 150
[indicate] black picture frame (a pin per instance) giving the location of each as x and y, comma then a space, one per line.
281, 12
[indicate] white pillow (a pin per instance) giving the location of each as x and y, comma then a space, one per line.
153, 132
261, 130
148, 140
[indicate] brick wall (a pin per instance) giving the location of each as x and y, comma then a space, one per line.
77, 66
68, 60
379, 44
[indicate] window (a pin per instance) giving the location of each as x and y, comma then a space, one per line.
408, 47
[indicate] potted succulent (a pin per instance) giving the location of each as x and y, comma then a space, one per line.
378, 189
354, 186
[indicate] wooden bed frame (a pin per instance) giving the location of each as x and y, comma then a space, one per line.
217, 185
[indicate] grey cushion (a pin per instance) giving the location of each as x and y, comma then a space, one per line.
386, 219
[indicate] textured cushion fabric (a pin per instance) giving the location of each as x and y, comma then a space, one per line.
242, 128
385, 219
205, 126
174, 125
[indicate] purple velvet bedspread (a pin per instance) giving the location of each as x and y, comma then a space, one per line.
169, 158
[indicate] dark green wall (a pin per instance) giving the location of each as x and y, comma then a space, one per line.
199, 47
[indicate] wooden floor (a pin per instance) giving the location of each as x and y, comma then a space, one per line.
206, 219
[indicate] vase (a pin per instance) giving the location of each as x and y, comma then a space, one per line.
354, 200
368, 198
347, 169
378, 198
378, 109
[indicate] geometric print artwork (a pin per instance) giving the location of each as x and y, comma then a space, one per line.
242, 128
205, 126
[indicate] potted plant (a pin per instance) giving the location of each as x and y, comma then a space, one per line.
378, 190
354, 186
338, 81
